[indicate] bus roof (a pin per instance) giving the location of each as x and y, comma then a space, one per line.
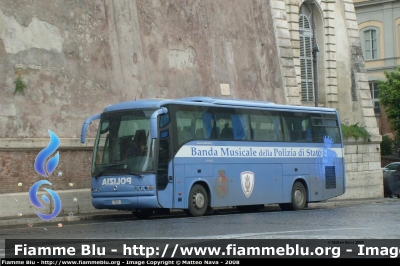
211, 102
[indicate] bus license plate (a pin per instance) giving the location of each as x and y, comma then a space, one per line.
116, 202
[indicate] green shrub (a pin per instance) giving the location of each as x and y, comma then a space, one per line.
386, 145
20, 85
355, 131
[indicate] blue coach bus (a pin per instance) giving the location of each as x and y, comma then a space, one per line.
198, 153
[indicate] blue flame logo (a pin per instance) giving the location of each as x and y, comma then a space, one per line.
40, 169
45, 153
35, 201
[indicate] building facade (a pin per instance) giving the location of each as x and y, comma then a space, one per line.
76, 57
379, 26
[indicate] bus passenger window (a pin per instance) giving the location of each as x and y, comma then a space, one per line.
262, 134
186, 134
241, 127
199, 133
227, 131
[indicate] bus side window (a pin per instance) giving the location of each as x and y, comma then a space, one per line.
270, 135
319, 133
332, 130
286, 132
186, 134
215, 132
261, 134
295, 130
278, 134
198, 129
240, 125
210, 130
199, 133
307, 134
226, 132
295, 135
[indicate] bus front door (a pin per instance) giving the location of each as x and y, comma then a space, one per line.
164, 186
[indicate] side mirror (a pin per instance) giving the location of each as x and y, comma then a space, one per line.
86, 125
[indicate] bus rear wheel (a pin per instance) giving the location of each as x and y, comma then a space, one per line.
143, 213
299, 198
198, 201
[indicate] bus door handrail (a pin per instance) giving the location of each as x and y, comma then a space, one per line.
86, 124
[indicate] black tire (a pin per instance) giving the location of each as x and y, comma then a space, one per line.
298, 198
197, 202
249, 208
143, 213
398, 196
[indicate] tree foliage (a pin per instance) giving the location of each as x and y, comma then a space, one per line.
355, 131
386, 145
389, 97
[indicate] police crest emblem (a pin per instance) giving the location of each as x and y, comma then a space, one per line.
247, 181
221, 184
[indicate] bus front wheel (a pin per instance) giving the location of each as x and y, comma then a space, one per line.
298, 198
198, 201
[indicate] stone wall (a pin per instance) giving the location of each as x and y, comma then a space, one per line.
76, 57
364, 177
18, 173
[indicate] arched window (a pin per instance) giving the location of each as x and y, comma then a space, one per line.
370, 43
306, 58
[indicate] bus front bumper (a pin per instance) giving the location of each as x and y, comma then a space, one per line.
126, 203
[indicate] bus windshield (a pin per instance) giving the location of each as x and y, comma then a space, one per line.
123, 144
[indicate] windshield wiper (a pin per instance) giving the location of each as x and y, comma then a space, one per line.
109, 166
140, 175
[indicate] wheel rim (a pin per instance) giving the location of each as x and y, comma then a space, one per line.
298, 197
198, 200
